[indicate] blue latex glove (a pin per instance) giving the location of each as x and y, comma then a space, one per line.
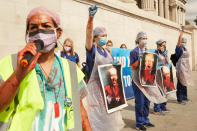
92, 10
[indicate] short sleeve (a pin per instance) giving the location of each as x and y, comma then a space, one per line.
133, 57
90, 56
178, 52
76, 57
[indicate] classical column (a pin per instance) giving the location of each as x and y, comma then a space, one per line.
142, 4
177, 21
179, 15
174, 13
183, 16
152, 4
148, 5
157, 8
161, 10
167, 9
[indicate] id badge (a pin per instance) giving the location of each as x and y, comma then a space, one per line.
56, 108
68, 102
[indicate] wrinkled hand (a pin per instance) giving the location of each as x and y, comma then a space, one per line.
92, 10
23, 71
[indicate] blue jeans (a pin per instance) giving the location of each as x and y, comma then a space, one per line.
141, 106
181, 92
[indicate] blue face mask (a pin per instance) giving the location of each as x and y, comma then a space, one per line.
143, 42
102, 41
183, 44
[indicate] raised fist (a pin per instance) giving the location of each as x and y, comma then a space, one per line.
92, 10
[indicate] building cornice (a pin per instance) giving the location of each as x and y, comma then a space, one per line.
131, 11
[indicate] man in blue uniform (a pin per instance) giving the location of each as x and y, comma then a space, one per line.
141, 102
183, 70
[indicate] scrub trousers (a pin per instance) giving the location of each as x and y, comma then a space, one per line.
160, 107
141, 106
181, 92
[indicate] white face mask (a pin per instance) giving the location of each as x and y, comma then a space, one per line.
49, 37
67, 48
143, 43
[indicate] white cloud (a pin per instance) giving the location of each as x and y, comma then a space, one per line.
191, 10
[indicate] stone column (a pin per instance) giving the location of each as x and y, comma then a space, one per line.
177, 21
157, 8
174, 13
179, 15
148, 5
183, 16
167, 9
161, 10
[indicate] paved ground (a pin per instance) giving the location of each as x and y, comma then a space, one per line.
180, 118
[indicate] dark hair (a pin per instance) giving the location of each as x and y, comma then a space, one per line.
109, 41
94, 38
121, 46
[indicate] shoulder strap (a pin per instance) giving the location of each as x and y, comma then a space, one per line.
75, 97
5, 126
14, 65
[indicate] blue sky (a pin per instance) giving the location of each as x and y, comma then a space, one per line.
191, 10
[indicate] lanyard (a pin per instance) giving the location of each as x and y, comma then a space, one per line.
38, 71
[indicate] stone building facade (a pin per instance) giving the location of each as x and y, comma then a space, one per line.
173, 10
123, 19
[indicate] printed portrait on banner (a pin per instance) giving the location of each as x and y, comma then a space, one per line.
111, 81
148, 67
167, 79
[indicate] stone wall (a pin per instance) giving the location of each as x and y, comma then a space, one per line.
193, 51
123, 21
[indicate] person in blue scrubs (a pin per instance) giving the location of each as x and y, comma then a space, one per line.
68, 52
163, 60
182, 55
97, 55
141, 102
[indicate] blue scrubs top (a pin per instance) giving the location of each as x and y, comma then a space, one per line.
179, 51
134, 55
71, 57
90, 57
